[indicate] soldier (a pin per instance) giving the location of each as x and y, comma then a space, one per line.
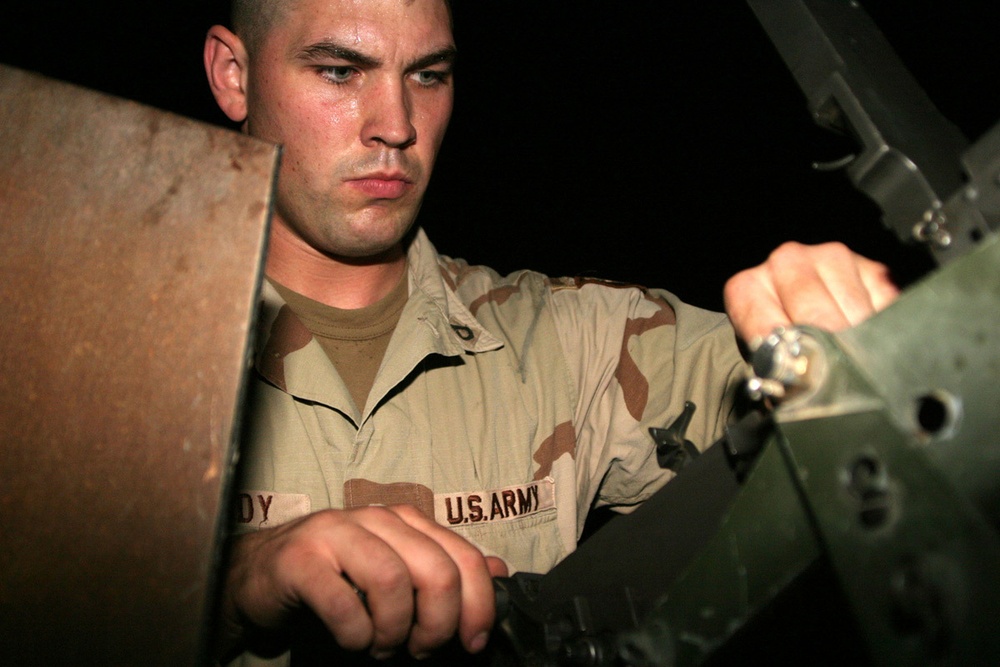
419, 425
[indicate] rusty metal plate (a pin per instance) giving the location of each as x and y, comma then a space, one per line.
130, 260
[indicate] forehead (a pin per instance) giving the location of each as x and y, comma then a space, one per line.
406, 26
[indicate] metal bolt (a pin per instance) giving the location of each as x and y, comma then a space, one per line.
759, 389
932, 229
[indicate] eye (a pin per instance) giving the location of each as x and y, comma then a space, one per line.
337, 73
430, 77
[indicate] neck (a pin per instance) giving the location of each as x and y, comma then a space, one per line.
346, 283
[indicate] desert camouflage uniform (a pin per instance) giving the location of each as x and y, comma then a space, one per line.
505, 407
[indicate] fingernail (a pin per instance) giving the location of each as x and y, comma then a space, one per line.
383, 654
478, 642
421, 656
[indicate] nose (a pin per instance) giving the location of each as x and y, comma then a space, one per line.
388, 119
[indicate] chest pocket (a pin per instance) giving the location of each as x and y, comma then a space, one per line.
527, 544
518, 523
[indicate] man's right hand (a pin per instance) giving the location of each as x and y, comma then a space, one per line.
422, 583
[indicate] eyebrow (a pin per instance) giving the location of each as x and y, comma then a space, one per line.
331, 49
446, 55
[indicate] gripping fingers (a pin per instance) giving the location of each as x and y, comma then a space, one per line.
878, 282
341, 609
814, 282
422, 584
340, 551
826, 286
753, 305
857, 287
467, 584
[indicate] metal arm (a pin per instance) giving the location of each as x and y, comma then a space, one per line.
911, 160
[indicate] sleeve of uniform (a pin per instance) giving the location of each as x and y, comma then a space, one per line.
636, 356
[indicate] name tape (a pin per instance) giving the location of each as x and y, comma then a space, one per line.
506, 504
266, 509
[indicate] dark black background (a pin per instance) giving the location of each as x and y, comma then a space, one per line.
651, 142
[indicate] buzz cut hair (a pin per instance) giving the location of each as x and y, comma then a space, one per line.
252, 19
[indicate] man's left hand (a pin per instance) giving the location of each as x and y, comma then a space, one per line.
826, 285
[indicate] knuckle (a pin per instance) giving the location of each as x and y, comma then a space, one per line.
469, 559
791, 254
737, 283
390, 576
294, 553
406, 510
787, 251
315, 530
446, 577
438, 576
747, 283
836, 251
321, 522
375, 514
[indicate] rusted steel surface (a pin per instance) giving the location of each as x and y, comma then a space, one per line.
130, 258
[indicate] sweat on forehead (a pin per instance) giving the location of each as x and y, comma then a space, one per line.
251, 19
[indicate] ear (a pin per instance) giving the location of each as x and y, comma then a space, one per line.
226, 63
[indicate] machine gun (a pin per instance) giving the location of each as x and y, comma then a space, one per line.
858, 521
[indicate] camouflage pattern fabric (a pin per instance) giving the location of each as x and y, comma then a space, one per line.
505, 407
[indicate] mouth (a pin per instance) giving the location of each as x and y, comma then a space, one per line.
382, 185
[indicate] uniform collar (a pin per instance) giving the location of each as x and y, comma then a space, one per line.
434, 321
456, 326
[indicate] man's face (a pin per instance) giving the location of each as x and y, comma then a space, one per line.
359, 93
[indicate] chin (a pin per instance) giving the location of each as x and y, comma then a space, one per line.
372, 248
372, 238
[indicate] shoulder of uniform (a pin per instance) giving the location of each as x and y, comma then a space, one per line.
578, 282
476, 279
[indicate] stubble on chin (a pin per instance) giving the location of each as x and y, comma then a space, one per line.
360, 232
337, 220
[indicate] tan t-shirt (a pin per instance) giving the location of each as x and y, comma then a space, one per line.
355, 340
